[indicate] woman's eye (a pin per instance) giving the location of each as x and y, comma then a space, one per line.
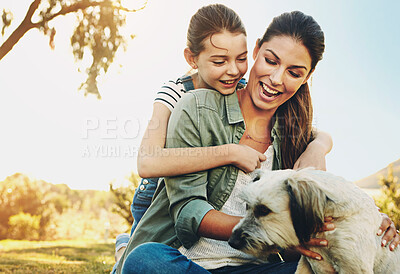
242, 59
269, 61
294, 74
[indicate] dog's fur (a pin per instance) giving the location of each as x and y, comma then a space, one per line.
286, 208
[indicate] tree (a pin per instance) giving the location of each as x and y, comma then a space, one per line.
19, 194
123, 196
389, 201
97, 31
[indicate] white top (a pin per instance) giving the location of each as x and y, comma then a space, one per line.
212, 254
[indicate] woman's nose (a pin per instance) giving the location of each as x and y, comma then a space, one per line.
276, 77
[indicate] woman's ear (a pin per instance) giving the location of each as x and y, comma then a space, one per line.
256, 49
190, 58
308, 76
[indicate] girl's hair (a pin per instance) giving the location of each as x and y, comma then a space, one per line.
295, 115
209, 20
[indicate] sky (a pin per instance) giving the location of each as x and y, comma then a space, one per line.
51, 131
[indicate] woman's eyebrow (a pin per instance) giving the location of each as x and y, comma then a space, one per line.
276, 56
273, 53
299, 67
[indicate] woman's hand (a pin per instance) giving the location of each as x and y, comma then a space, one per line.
328, 226
391, 235
246, 158
313, 156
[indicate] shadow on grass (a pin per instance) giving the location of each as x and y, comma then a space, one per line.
62, 258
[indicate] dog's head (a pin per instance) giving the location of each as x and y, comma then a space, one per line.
284, 209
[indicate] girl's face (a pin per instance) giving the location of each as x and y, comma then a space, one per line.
223, 62
281, 66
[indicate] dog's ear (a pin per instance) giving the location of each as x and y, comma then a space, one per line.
307, 203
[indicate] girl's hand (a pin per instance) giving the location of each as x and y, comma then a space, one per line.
328, 226
246, 158
391, 235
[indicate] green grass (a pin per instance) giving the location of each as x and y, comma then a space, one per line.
69, 256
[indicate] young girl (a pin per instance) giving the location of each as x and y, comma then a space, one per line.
196, 212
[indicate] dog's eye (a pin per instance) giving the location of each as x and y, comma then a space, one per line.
261, 210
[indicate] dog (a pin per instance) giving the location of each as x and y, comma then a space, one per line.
286, 208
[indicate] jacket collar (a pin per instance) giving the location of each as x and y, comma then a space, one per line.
233, 109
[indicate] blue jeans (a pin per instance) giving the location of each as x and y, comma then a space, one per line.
162, 259
142, 199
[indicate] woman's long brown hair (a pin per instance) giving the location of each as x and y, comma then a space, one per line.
295, 115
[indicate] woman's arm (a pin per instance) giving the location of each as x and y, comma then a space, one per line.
156, 161
314, 155
217, 225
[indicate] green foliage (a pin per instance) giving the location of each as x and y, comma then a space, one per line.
19, 194
123, 196
62, 213
97, 31
389, 201
24, 226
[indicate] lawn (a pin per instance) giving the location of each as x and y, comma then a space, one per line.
69, 256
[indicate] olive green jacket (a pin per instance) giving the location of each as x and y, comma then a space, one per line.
202, 118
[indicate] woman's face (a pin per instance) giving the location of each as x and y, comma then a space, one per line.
281, 66
223, 62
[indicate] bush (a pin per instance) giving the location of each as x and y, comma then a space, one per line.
24, 226
20, 194
389, 200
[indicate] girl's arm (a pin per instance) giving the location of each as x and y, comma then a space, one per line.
156, 161
314, 155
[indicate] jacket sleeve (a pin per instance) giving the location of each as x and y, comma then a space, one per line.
187, 193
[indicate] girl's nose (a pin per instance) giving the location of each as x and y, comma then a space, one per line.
232, 69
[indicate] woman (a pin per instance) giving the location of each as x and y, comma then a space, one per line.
272, 114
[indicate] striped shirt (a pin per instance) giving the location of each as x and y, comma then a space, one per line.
170, 93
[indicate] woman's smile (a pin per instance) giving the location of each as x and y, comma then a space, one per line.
267, 94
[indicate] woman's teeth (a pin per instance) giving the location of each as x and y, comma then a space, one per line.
229, 82
269, 91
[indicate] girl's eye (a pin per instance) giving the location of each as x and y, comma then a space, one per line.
269, 61
242, 59
294, 74
218, 62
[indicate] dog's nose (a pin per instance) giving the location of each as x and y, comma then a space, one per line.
237, 239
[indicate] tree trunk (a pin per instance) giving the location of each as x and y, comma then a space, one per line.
20, 31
